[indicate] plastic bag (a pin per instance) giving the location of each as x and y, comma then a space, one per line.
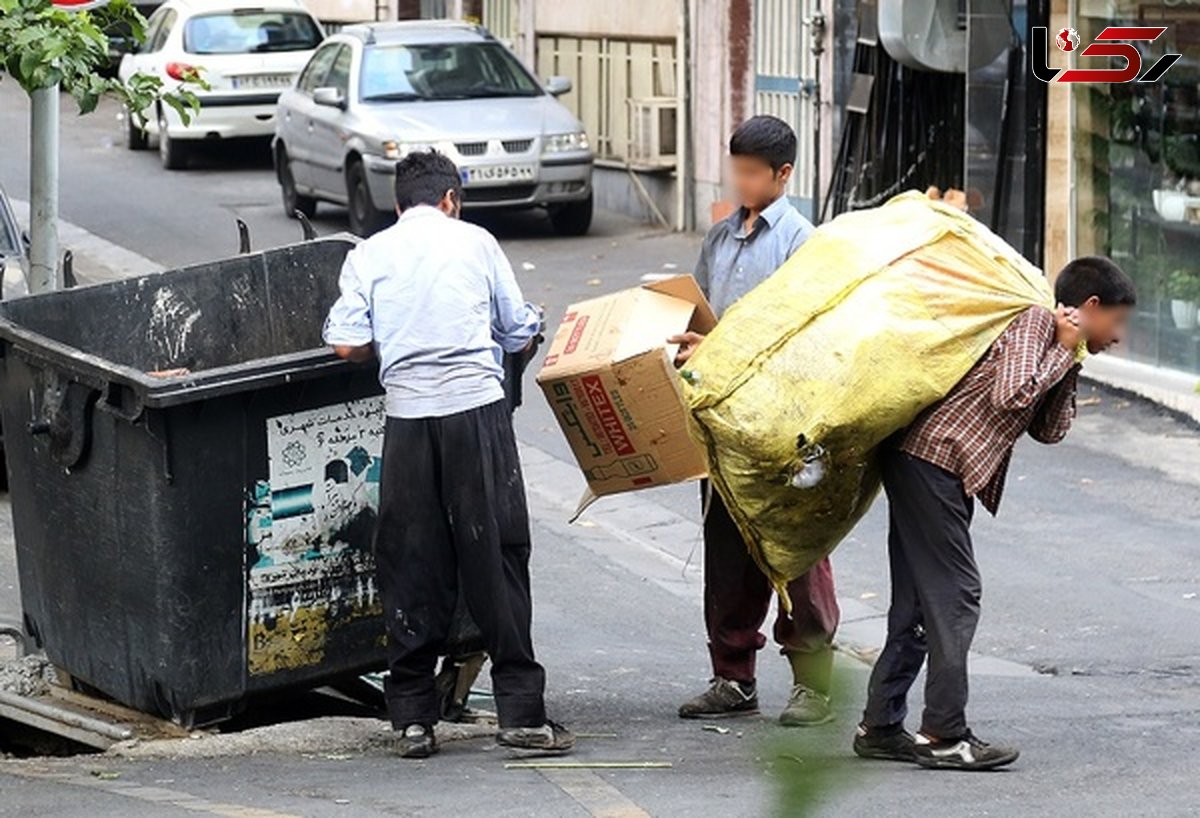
876, 317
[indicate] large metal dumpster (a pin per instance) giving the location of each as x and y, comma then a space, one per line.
183, 541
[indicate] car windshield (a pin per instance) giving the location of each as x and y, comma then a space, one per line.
249, 32
443, 71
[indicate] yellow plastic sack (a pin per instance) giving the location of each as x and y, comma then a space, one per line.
877, 316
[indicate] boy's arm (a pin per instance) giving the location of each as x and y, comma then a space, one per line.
701, 273
348, 326
1032, 361
1053, 418
801, 236
514, 322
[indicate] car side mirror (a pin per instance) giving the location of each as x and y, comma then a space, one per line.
331, 97
557, 86
26, 241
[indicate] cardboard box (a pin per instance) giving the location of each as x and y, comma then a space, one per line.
610, 378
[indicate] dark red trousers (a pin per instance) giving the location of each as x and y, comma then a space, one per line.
737, 599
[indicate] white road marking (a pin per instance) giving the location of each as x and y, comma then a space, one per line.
152, 795
594, 794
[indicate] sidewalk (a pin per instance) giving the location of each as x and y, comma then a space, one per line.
96, 259
1176, 391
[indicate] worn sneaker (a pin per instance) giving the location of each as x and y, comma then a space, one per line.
806, 708
549, 739
724, 698
884, 743
416, 741
963, 753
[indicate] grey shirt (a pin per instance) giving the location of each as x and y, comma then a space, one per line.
734, 262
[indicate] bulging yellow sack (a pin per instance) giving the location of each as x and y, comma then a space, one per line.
877, 316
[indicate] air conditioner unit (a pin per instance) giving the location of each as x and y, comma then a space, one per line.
652, 132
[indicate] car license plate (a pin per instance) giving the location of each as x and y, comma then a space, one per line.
262, 81
498, 174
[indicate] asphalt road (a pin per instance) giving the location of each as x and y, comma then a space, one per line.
1088, 654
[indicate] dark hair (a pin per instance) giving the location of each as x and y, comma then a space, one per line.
423, 177
767, 138
1094, 275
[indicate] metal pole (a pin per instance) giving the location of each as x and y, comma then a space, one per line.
683, 216
817, 50
43, 192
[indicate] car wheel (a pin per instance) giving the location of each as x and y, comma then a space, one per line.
292, 200
173, 152
365, 218
136, 138
572, 219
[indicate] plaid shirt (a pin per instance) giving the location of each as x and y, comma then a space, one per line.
1025, 382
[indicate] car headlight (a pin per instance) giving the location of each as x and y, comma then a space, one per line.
399, 150
556, 143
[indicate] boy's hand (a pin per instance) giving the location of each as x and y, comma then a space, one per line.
1069, 329
688, 342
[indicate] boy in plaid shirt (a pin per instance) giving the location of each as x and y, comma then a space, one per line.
957, 450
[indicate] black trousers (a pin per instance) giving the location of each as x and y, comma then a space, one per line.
935, 597
453, 513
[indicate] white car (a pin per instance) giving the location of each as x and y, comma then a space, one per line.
247, 53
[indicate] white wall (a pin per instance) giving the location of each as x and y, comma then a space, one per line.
342, 11
612, 18
711, 118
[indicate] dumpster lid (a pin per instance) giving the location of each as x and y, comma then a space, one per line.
224, 326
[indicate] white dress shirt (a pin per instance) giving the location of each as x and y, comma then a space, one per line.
439, 300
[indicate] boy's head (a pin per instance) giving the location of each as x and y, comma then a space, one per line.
428, 178
1104, 295
762, 151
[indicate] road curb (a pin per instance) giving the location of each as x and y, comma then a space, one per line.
96, 258
1176, 392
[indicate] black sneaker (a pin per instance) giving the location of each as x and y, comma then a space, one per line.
551, 739
963, 753
724, 698
416, 741
884, 743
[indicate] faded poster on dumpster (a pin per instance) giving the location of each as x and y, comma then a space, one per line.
309, 528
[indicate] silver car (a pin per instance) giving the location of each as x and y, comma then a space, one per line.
373, 93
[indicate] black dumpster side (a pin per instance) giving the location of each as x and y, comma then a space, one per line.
183, 541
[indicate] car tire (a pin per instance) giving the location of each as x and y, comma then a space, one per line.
573, 218
136, 138
173, 152
293, 201
365, 218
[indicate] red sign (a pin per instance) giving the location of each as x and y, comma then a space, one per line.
78, 5
1114, 41
610, 421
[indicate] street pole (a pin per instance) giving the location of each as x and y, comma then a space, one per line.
43, 192
817, 49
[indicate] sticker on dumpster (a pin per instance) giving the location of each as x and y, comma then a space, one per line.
308, 532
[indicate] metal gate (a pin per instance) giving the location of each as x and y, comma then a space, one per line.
783, 86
